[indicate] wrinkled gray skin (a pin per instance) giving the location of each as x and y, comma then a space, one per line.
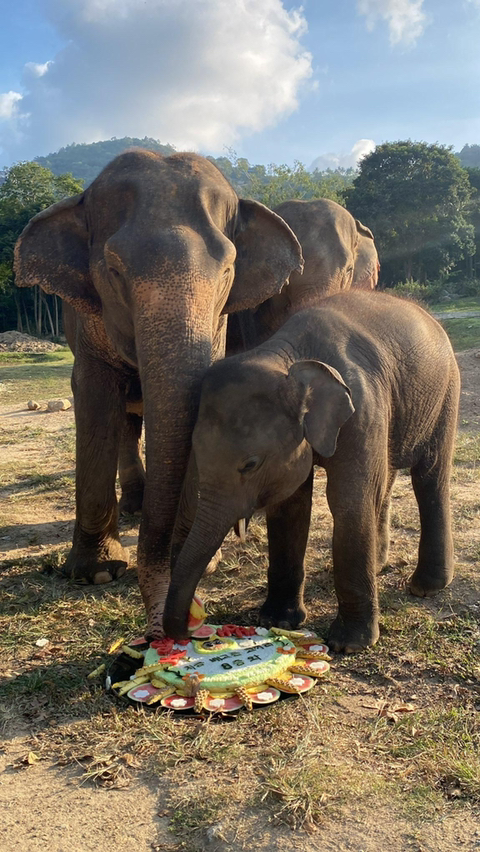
367, 266
329, 236
152, 256
362, 385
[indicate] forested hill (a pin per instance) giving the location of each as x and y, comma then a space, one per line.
270, 184
469, 156
85, 161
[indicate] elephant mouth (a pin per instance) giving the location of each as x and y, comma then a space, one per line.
242, 530
241, 527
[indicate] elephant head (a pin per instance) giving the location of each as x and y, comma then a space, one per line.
328, 237
152, 255
258, 426
367, 266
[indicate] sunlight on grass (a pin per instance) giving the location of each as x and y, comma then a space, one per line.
463, 333
38, 377
441, 746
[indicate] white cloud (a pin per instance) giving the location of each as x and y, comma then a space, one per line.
8, 103
406, 19
344, 161
38, 69
196, 73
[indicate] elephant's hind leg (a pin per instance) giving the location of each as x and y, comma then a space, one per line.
288, 524
383, 523
130, 466
431, 483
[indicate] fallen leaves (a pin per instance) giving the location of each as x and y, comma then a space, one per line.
390, 711
29, 759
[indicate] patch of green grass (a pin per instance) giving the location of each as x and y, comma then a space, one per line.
197, 811
462, 303
420, 802
38, 483
20, 435
440, 746
444, 645
467, 448
36, 357
463, 333
40, 379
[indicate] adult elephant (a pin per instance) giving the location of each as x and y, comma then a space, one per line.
131, 471
152, 256
330, 237
367, 265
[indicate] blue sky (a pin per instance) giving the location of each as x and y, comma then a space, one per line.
274, 81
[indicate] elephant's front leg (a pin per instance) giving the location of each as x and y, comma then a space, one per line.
130, 466
96, 555
288, 524
355, 546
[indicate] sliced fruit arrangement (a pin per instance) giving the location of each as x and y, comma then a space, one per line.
220, 668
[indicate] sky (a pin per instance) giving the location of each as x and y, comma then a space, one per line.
322, 82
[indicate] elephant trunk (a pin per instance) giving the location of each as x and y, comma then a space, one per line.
209, 529
170, 408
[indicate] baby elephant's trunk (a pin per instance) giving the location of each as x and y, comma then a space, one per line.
210, 527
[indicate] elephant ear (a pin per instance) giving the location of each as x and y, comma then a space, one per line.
327, 404
52, 251
363, 230
267, 252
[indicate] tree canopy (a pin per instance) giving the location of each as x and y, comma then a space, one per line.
416, 199
27, 188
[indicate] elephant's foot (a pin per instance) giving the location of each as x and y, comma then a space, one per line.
131, 500
103, 563
213, 564
285, 615
352, 637
429, 580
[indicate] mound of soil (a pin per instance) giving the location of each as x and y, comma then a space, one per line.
15, 341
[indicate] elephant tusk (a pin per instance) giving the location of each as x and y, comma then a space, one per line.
242, 530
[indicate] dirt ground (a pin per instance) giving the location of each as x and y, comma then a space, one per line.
364, 756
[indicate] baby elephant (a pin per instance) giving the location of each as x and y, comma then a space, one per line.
363, 384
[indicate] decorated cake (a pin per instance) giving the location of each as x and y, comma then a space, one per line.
222, 668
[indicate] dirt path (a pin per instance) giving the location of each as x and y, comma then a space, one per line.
45, 809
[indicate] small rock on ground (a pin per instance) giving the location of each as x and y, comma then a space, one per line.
58, 404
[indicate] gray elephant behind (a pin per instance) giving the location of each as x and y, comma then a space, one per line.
367, 264
339, 253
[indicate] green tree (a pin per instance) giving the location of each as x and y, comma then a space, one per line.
26, 189
416, 199
282, 183
473, 265
273, 184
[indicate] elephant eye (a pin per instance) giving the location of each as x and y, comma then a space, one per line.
250, 464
